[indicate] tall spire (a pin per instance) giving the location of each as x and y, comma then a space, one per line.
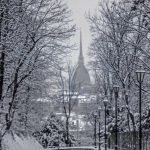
81, 58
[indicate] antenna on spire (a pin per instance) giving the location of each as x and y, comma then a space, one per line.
80, 42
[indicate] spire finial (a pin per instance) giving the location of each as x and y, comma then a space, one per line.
81, 59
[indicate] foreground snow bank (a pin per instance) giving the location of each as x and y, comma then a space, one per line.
14, 142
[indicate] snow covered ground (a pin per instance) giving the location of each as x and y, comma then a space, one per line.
14, 142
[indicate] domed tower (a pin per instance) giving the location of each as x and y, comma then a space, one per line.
80, 79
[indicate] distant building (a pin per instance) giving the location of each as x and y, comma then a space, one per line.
81, 97
80, 81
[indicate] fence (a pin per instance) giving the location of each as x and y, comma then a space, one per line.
129, 140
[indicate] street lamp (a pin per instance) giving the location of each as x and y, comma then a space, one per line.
116, 91
140, 77
95, 117
58, 140
99, 113
105, 105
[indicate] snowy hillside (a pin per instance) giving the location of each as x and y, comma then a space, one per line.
20, 143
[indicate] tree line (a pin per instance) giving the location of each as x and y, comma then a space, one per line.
34, 37
120, 46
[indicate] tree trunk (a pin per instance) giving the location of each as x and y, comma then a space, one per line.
1, 142
27, 108
132, 120
2, 56
67, 132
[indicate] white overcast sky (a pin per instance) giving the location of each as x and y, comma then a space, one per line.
79, 9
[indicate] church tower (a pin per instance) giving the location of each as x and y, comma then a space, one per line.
80, 79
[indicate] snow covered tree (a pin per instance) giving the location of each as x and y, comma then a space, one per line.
67, 97
33, 38
53, 133
120, 45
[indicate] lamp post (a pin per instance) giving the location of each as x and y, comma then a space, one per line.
59, 132
95, 117
116, 91
105, 105
99, 115
140, 77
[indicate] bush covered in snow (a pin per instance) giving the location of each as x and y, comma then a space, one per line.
53, 133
